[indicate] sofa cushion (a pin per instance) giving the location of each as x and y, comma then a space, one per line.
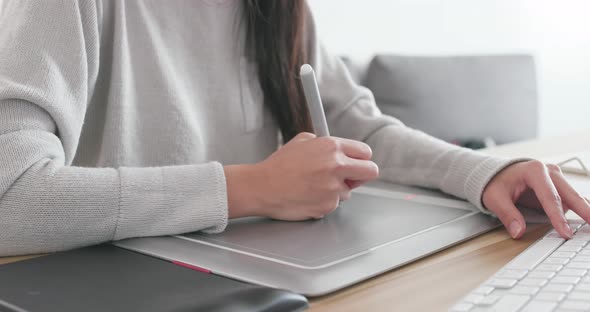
459, 97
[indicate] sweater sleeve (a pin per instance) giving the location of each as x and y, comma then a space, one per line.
48, 66
404, 155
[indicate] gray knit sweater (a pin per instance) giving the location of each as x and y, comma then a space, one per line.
117, 116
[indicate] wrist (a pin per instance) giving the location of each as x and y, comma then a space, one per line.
245, 190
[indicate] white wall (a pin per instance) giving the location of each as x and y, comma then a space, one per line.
556, 32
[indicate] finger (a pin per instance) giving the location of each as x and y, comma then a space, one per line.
345, 195
566, 208
509, 215
541, 183
528, 199
355, 149
358, 170
303, 136
326, 208
571, 198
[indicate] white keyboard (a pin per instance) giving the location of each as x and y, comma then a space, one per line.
551, 275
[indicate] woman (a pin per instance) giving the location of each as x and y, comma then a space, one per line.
137, 118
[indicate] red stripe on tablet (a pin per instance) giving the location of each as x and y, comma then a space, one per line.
410, 196
192, 267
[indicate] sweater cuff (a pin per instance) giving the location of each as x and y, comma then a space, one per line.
171, 200
472, 172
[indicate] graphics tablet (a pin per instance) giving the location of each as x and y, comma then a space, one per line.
380, 228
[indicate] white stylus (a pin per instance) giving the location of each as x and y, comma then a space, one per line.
314, 102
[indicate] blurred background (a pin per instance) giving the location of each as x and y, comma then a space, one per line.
556, 34
468, 70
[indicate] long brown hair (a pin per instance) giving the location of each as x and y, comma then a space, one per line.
274, 37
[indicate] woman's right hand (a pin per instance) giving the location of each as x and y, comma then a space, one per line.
304, 179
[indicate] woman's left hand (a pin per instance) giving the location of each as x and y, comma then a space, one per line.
533, 184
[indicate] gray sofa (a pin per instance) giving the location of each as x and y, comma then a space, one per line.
457, 98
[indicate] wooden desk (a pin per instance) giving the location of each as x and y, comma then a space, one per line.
436, 282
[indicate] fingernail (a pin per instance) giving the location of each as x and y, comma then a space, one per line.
514, 228
568, 230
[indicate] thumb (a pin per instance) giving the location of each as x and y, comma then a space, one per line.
509, 215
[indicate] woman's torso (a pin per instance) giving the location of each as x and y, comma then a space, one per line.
174, 87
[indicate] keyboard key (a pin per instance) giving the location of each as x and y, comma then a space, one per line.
533, 255
485, 290
575, 305
551, 275
562, 288
563, 254
550, 296
572, 242
502, 283
535, 282
510, 303
540, 306
552, 235
489, 300
578, 265
524, 290
576, 228
462, 307
579, 295
541, 274
473, 298
570, 248
549, 267
573, 272
581, 236
512, 274
565, 280
582, 258
552, 260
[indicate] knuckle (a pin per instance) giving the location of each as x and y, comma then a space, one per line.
333, 187
330, 143
553, 168
555, 198
305, 135
536, 165
338, 164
